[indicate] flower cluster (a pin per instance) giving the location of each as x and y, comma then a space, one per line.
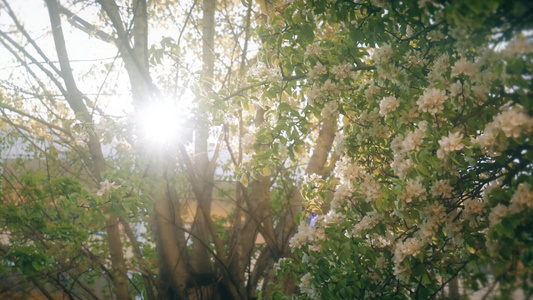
413, 190
307, 287
343, 71
473, 208
313, 49
463, 66
414, 139
450, 143
308, 236
347, 172
512, 122
412, 179
331, 109
321, 91
388, 105
401, 165
105, 187
317, 71
497, 213
370, 188
521, 199
520, 45
432, 101
442, 188
368, 221
409, 247
383, 54
435, 217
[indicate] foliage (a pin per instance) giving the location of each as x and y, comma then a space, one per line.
434, 180
92, 204
396, 133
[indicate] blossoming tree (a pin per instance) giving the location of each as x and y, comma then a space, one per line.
432, 178
409, 120
114, 188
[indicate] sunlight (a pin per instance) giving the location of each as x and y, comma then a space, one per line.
161, 123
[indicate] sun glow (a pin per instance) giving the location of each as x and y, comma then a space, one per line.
162, 122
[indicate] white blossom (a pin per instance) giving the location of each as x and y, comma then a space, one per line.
450, 143
522, 198
317, 70
342, 193
330, 87
487, 140
307, 288
368, 222
313, 49
343, 71
413, 59
301, 237
409, 247
383, 54
442, 63
281, 262
414, 189
401, 165
474, 207
512, 122
520, 45
481, 93
333, 218
414, 139
454, 228
396, 144
499, 212
456, 88
379, 241
436, 211
402, 272
371, 91
346, 171
432, 101
308, 235
427, 230
441, 188
330, 109
388, 105
106, 186
370, 188
313, 94
464, 66
435, 216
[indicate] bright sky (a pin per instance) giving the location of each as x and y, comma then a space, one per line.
84, 51
89, 58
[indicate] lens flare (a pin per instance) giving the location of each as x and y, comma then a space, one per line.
161, 123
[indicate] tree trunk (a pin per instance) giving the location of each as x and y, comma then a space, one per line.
174, 274
118, 263
200, 256
453, 288
75, 100
316, 164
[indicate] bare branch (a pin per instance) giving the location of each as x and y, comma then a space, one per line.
28, 37
86, 27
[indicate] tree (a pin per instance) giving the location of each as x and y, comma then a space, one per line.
433, 183
395, 133
90, 209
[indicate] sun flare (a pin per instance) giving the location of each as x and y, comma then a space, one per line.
161, 123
